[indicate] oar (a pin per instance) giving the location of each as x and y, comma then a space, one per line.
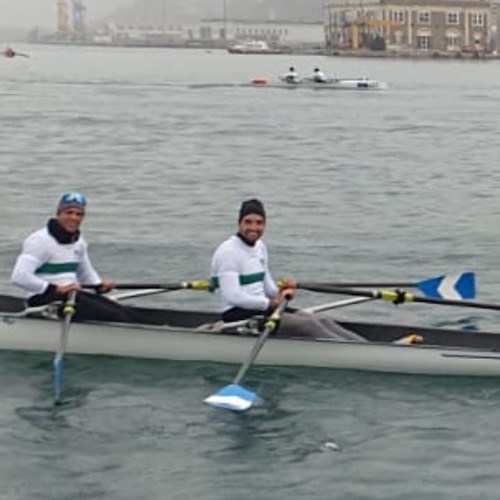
118, 297
400, 297
68, 311
234, 396
144, 289
335, 305
220, 326
451, 286
175, 285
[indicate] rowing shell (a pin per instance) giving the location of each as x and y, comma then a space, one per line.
330, 83
193, 336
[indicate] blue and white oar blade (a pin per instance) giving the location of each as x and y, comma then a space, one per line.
232, 397
453, 286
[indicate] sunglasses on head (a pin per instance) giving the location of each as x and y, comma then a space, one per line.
77, 198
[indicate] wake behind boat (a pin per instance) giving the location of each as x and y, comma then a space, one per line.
199, 336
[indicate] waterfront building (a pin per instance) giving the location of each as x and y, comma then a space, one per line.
435, 26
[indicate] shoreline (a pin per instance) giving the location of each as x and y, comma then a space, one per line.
319, 51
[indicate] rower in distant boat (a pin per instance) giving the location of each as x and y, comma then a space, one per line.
318, 76
292, 76
9, 52
241, 277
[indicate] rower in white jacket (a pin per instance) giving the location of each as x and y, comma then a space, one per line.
54, 259
292, 76
318, 76
241, 277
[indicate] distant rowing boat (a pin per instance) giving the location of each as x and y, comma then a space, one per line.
197, 336
330, 83
10, 53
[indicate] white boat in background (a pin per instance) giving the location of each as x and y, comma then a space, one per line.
198, 336
253, 47
329, 83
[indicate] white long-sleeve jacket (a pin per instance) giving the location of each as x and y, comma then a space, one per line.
241, 275
45, 261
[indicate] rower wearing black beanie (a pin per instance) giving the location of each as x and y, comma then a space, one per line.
252, 206
241, 278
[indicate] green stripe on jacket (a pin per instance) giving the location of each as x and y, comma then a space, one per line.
245, 279
66, 267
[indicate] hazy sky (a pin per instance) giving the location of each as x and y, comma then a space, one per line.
27, 14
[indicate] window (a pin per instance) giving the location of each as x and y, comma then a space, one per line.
424, 17
397, 15
451, 42
452, 18
423, 42
477, 19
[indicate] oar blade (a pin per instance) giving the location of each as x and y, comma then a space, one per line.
453, 286
232, 397
466, 285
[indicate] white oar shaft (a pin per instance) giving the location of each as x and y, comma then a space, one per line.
136, 293
338, 303
219, 326
68, 311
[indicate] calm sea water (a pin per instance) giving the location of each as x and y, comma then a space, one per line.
398, 184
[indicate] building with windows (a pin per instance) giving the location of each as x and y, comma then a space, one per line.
412, 25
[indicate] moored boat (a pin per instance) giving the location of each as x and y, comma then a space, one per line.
198, 336
253, 47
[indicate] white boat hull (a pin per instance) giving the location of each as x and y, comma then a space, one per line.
332, 84
187, 345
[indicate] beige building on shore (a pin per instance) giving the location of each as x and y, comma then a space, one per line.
436, 26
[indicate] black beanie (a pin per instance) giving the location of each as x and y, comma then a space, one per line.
253, 206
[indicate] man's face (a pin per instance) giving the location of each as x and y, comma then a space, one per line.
251, 227
70, 219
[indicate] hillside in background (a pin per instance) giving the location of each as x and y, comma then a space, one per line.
154, 12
